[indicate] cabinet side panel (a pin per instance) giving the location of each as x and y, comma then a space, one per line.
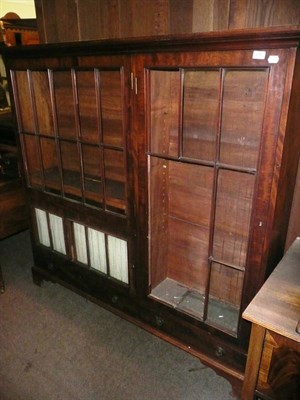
294, 223
290, 142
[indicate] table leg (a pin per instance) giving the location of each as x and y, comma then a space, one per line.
253, 361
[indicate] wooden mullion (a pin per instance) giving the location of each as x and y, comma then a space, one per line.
226, 264
214, 192
106, 254
19, 122
49, 229
124, 136
180, 113
100, 132
36, 126
87, 244
56, 135
78, 131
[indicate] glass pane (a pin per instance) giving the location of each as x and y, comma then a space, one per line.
26, 124
50, 165
31, 157
158, 219
164, 112
232, 220
180, 208
117, 256
93, 181
114, 179
97, 250
200, 113
189, 192
42, 226
57, 233
225, 297
71, 168
65, 107
80, 243
111, 107
242, 116
88, 106
42, 98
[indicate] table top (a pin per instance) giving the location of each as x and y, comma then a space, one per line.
277, 304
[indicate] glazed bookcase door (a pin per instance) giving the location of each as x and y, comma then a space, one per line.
207, 142
72, 124
160, 175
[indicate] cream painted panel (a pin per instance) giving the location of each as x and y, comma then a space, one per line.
42, 225
80, 243
57, 232
97, 250
118, 261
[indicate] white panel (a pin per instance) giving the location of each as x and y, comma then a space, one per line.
117, 255
42, 225
96, 241
80, 243
57, 231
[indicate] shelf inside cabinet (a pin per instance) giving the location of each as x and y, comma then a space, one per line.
114, 190
180, 297
192, 302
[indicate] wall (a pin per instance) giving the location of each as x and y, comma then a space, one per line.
24, 8
73, 20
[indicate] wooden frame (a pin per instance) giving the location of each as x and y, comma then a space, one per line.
169, 188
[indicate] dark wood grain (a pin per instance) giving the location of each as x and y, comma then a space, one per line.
60, 22
117, 159
200, 113
181, 16
157, 21
40, 20
255, 13
210, 15
98, 19
71, 20
164, 112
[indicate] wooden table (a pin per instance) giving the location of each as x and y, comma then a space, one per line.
13, 210
273, 365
